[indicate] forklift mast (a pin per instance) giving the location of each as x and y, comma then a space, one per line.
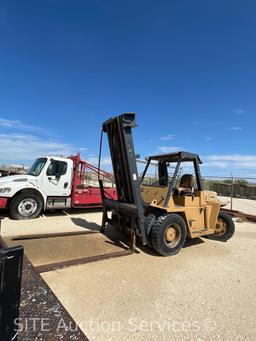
130, 205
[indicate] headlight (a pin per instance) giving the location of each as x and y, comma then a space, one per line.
5, 190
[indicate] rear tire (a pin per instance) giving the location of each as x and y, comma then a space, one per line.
225, 228
168, 234
25, 206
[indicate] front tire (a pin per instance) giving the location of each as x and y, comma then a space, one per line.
149, 222
25, 206
224, 229
168, 234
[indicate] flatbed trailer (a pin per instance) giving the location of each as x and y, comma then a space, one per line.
82, 193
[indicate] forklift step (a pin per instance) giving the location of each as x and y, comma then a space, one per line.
205, 230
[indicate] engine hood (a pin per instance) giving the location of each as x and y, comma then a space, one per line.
16, 179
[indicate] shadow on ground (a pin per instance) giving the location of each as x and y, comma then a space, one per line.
71, 211
189, 243
115, 236
85, 224
4, 213
121, 239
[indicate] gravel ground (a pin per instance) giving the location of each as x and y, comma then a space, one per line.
206, 292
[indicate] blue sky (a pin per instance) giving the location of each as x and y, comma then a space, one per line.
187, 68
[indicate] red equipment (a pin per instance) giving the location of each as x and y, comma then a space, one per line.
84, 195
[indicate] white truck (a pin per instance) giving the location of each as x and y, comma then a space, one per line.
52, 183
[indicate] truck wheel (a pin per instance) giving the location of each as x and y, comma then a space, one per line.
168, 234
224, 228
25, 206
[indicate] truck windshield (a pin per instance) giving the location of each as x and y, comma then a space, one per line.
37, 167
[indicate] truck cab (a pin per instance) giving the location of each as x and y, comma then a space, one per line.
26, 195
51, 183
52, 175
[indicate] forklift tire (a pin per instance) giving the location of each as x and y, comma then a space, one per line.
225, 228
149, 222
25, 206
168, 234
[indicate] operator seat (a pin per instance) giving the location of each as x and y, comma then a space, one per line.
187, 182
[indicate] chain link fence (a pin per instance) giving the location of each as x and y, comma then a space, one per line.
238, 192
231, 186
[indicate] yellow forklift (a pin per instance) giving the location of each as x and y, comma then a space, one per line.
162, 213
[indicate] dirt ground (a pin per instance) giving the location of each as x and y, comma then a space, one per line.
206, 292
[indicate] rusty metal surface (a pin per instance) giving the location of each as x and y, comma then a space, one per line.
97, 247
250, 217
52, 235
48, 253
42, 316
239, 214
72, 262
